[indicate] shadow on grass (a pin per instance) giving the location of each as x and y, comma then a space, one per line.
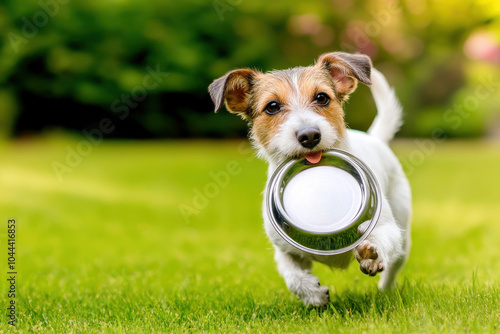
373, 301
346, 304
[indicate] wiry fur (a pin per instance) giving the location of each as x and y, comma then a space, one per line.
247, 92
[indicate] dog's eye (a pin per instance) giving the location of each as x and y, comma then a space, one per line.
272, 108
322, 99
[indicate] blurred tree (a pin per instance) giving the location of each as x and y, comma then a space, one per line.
146, 64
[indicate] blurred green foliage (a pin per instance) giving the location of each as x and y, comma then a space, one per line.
66, 63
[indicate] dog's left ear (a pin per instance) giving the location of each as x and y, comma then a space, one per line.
346, 69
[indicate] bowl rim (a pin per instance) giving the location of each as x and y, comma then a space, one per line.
371, 198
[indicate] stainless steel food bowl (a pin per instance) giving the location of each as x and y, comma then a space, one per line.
330, 238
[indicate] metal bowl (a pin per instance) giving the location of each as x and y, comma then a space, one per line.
340, 188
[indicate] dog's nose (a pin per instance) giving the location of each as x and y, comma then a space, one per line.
309, 137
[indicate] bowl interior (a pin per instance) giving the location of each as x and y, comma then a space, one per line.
322, 199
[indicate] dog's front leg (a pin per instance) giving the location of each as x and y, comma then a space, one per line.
383, 249
299, 279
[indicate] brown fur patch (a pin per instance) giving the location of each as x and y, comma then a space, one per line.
265, 128
334, 113
269, 88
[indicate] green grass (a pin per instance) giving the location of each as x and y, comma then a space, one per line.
107, 249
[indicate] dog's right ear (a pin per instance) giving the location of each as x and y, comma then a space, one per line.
234, 88
346, 69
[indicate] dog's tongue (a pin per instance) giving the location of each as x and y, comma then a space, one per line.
313, 158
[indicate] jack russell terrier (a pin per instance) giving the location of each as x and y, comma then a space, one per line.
298, 112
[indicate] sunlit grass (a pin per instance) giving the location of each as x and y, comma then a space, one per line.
108, 250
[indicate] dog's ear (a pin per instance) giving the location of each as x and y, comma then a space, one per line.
234, 88
346, 69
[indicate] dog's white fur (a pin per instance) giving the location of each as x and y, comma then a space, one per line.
387, 247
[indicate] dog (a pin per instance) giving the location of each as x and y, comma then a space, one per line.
298, 112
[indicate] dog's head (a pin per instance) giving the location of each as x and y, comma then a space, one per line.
294, 112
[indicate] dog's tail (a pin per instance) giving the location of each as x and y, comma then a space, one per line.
389, 112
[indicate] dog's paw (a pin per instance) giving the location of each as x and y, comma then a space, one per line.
318, 296
369, 260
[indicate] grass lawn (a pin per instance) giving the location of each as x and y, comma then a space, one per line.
108, 250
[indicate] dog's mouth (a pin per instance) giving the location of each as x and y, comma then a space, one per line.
313, 157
